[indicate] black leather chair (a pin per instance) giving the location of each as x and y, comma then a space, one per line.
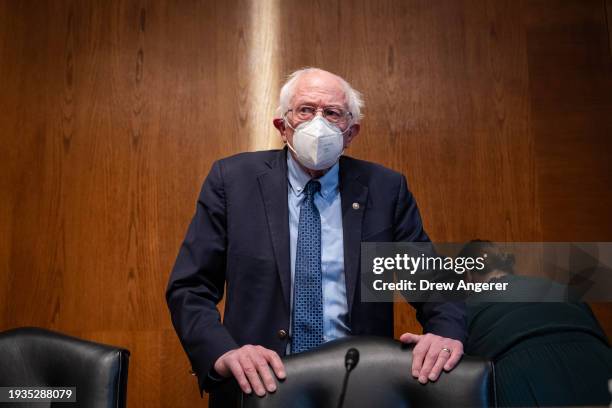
35, 357
382, 378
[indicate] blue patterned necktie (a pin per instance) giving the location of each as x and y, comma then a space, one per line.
307, 323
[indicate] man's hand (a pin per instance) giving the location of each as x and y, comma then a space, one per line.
431, 354
250, 365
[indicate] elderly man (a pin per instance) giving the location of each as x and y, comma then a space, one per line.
281, 231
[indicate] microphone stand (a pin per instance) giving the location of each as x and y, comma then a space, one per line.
350, 362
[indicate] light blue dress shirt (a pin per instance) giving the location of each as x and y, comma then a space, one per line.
327, 201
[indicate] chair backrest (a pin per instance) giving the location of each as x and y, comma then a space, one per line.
34, 357
382, 378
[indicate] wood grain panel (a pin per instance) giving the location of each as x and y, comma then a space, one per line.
608, 11
114, 114
570, 77
261, 73
9, 114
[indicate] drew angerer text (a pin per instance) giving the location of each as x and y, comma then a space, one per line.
425, 285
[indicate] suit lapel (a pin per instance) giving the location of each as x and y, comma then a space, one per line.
354, 198
273, 187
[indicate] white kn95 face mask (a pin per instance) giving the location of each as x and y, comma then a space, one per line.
317, 144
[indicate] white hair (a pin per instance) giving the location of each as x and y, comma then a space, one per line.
354, 100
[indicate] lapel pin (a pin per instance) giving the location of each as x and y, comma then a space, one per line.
355, 206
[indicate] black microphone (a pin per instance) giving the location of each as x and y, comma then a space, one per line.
350, 362
351, 359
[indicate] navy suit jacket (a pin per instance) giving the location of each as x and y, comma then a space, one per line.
238, 240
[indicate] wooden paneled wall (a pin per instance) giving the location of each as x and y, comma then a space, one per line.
112, 112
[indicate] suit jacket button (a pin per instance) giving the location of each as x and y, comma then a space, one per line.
282, 334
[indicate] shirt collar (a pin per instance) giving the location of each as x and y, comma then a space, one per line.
298, 178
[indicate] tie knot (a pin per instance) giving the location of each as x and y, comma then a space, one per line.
311, 188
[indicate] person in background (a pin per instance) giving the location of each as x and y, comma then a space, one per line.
545, 353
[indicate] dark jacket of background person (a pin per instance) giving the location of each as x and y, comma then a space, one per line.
545, 353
